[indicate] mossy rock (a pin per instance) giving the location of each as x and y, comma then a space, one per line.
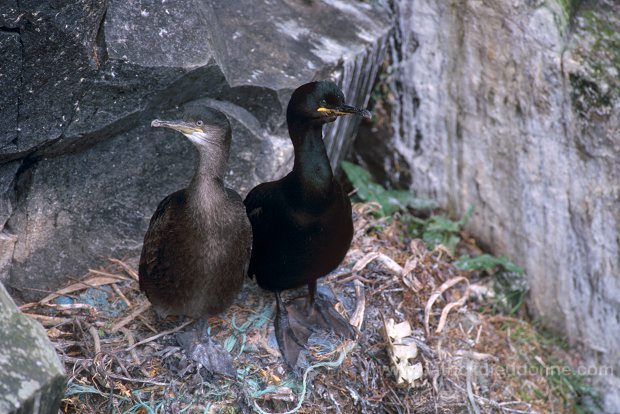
593, 59
32, 379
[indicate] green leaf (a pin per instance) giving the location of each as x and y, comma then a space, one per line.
440, 224
360, 179
510, 289
441, 230
486, 262
406, 199
390, 201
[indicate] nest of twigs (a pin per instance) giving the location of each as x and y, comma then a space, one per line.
121, 358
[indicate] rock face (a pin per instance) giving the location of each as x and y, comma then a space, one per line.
81, 171
514, 108
32, 380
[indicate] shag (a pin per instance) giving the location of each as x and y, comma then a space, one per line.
197, 247
302, 225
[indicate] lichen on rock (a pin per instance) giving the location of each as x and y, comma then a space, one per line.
32, 378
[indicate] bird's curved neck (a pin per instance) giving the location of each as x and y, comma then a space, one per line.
207, 185
311, 167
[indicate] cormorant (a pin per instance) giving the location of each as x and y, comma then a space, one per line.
197, 247
302, 225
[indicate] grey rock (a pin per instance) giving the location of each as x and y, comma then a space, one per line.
7, 174
32, 379
10, 50
514, 108
88, 77
7, 240
57, 40
178, 34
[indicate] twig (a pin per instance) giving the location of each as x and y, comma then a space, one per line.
96, 281
105, 373
127, 269
87, 284
470, 391
383, 287
364, 261
354, 276
478, 335
357, 319
478, 356
147, 324
120, 364
435, 295
121, 294
93, 332
387, 262
48, 320
131, 341
398, 399
159, 335
130, 317
339, 275
446, 310
106, 274
70, 306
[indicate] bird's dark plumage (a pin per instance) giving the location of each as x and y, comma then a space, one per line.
197, 247
302, 224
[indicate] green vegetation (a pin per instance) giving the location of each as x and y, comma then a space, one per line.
437, 229
538, 351
594, 81
390, 201
598, 49
509, 285
564, 12
569, 7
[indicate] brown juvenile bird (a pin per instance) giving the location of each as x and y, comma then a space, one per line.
197, 247
302, 223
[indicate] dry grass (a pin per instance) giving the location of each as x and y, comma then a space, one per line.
120, 358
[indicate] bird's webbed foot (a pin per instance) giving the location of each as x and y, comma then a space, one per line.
292, 336
320, 315
203, 349
300, 317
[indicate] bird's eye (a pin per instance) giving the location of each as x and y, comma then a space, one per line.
323, 102
199, 123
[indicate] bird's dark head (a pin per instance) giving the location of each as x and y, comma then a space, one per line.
320, 102
202, 125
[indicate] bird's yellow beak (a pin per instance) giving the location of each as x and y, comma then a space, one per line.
344, 110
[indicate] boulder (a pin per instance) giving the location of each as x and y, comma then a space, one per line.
514, 108
81, 169
32, 379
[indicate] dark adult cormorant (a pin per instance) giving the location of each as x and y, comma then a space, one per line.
197, 248
302, 224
